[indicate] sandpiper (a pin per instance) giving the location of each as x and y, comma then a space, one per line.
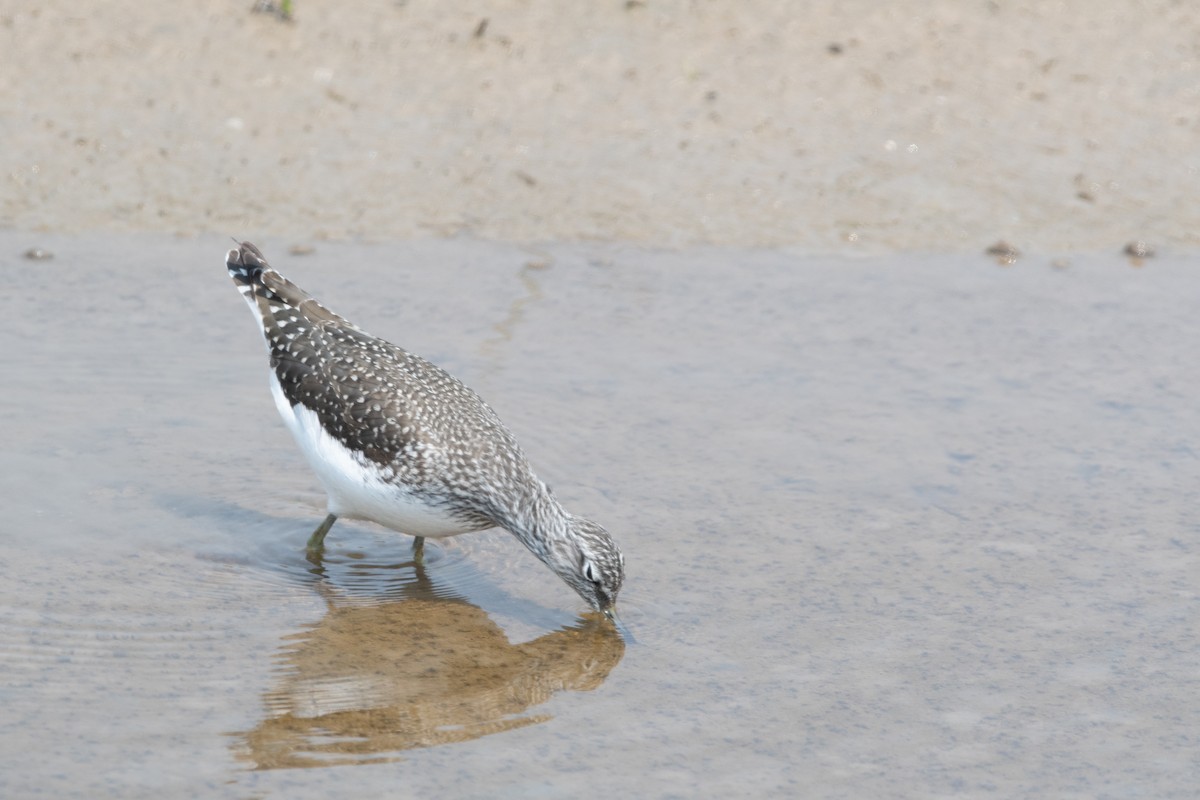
399, 441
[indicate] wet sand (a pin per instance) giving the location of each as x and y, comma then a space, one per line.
854, 126
895, 527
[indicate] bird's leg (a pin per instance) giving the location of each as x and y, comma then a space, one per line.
316, 542
419, 549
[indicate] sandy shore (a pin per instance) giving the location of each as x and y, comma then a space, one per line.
857, 126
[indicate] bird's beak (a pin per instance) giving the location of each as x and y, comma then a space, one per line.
611, 613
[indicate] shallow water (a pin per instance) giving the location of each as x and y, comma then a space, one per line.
902, 527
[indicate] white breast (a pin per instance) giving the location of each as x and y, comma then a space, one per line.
354, 485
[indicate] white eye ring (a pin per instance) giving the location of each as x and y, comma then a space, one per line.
589, 572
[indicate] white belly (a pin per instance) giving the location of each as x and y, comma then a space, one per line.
354, 487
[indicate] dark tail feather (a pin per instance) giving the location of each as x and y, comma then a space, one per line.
246, 264
268, 292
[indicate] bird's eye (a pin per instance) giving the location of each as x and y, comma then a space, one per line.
590, 572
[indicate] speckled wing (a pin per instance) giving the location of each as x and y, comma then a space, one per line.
322, 361
399, 411
396, 409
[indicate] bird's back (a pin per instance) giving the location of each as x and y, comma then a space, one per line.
414, 422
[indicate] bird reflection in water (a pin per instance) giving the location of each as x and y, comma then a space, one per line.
367, 681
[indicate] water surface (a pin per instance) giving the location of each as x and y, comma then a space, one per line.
896, 527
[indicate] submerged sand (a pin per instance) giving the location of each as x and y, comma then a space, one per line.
895, 528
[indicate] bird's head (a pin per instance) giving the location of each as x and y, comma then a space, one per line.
590, 562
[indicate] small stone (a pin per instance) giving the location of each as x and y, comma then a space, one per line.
1004, 253
38, 254
1139, 249
301, 250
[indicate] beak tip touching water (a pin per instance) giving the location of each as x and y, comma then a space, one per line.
611, 614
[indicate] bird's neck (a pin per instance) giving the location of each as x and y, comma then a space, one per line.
537, 519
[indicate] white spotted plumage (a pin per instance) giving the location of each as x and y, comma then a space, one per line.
355, 487
399, 441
